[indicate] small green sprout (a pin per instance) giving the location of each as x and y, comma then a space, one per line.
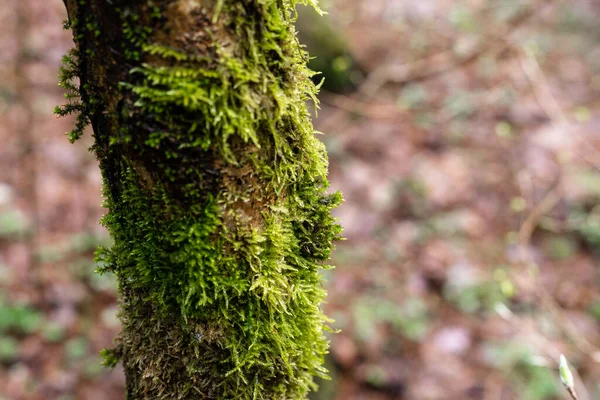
566, 376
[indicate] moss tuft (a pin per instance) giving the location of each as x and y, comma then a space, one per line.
68, 76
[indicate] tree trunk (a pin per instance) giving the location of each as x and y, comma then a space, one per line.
216, 191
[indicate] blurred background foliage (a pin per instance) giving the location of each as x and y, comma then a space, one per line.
465, 136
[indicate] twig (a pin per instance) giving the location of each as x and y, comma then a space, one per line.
559, 120
550, 106
525, 233
573, 393
531, 222
358, 107
527, 227
445, 61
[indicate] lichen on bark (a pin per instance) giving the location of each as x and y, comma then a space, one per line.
216, 191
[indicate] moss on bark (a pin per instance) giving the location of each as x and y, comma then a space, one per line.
216, 189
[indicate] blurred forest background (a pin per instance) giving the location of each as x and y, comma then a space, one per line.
465, 136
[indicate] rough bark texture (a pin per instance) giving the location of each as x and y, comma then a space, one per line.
216, 191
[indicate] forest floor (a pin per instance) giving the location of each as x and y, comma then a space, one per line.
469, 158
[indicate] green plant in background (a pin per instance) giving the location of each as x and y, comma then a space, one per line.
410, 319
76, 348
53, 332
217, 193
560, 247
463, 19
473, 294
586, 224
529, 373
16, 320
13, 224
412, 96
9, 348
583, 219
338, 71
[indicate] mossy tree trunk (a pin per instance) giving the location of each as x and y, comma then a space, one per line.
216, 191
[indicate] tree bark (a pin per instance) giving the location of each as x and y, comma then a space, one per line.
215, 186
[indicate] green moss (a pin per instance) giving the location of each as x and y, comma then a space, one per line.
217, 195
67, 80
